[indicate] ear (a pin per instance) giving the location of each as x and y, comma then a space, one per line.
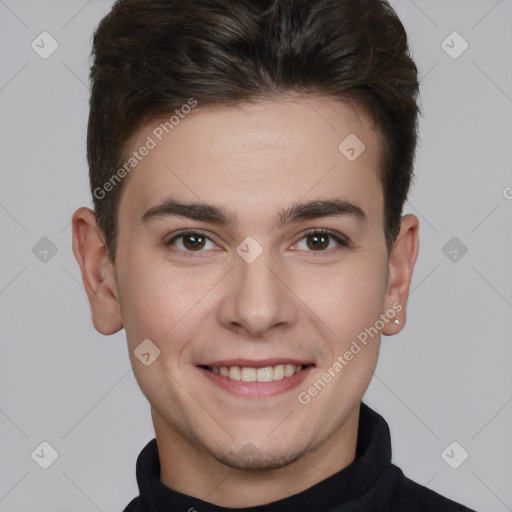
401, 265
98, 273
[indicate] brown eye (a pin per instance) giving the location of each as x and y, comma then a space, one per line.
317, 241
321, 241
193, 241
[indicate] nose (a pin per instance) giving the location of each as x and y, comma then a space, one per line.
257, 297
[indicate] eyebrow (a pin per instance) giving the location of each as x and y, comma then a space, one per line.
219, 215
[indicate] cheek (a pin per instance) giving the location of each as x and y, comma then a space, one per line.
346, 301
165, 305
153, 300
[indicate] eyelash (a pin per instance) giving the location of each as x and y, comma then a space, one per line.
322, 231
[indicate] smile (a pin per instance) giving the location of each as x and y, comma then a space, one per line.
252, 380
264, 374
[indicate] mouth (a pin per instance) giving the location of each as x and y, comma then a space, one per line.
257, 374
256, 379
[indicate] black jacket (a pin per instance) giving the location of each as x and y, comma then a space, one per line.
371, 483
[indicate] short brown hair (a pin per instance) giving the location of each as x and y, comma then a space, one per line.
151, 56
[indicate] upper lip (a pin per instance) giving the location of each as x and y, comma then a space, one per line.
260, 363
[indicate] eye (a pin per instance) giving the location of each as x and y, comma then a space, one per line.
317, 240
321, 240
192, 241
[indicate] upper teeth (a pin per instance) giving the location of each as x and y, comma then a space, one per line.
266, 374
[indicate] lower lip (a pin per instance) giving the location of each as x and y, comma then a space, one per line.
257, 389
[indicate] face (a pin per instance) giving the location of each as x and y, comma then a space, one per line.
251, 252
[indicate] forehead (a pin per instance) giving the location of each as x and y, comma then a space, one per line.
257, 157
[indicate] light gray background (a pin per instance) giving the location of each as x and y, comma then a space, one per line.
447, 377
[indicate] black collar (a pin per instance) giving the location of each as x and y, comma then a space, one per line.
365, 484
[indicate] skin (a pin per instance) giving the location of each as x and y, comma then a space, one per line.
295, 300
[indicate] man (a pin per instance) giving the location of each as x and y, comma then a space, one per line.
249, 162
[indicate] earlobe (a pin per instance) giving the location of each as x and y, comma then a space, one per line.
97, 270
401, 266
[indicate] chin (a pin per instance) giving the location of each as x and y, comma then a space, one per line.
251, 458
